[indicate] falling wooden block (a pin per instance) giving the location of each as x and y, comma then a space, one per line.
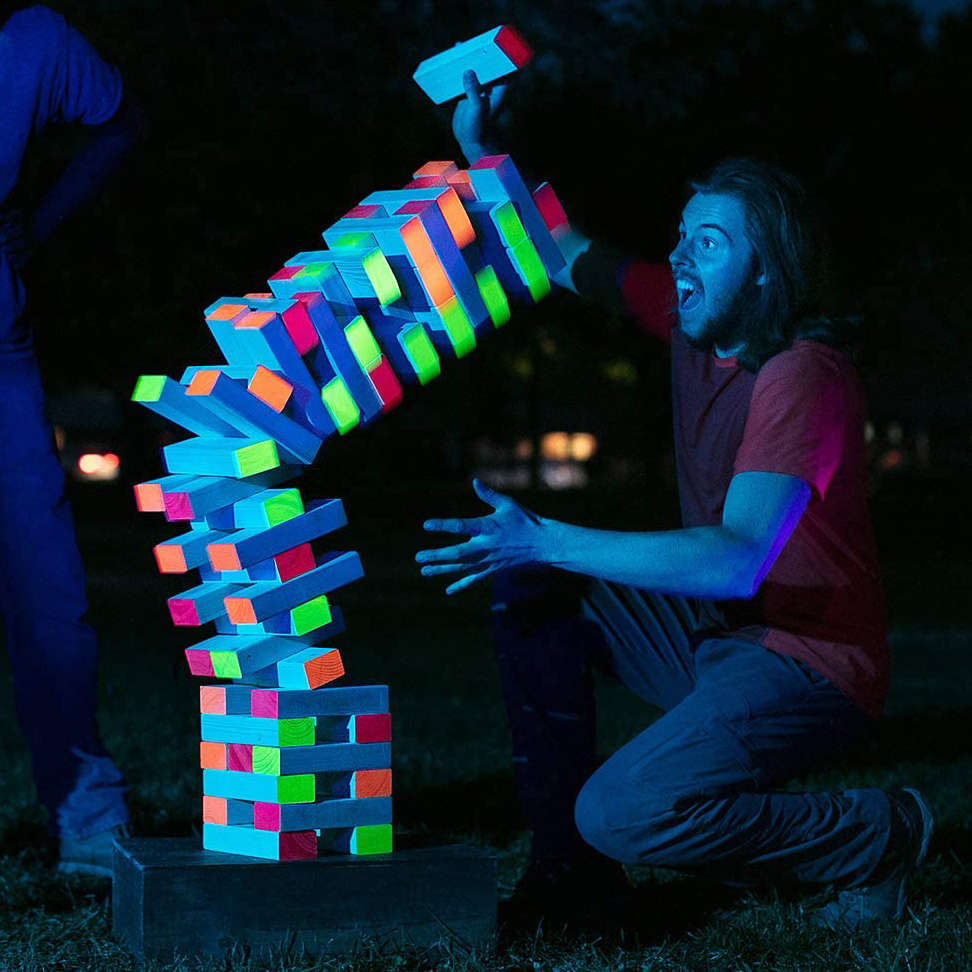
150, 496
422, 896
193, 497
168, 399
232, 458
493, 54
200, 604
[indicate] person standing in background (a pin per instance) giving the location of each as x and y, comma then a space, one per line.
51, 75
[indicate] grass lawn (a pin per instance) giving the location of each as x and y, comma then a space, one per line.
453, 780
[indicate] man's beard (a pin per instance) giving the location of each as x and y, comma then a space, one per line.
727, 328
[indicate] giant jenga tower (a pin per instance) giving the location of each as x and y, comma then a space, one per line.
409, 278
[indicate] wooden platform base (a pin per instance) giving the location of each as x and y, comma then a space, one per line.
171, 898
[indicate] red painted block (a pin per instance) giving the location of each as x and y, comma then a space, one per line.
239, 757
365, 212
512, 44
300, 845
372, 728
551, 211
386, 384
293, 563
463, 186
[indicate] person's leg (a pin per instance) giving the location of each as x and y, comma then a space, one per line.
53, 652
549, 631
692, 793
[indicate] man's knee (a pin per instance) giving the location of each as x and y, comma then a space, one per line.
622, 822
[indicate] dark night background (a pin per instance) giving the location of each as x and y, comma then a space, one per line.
269, 121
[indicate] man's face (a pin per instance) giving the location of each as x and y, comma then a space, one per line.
714, 270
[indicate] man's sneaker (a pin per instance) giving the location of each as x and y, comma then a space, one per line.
576, 893
886, 898
90, 855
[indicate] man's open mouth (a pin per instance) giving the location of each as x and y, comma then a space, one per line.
689, 294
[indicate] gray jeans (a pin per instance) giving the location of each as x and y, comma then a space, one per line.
696, 790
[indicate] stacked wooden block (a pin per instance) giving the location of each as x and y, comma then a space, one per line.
412, 276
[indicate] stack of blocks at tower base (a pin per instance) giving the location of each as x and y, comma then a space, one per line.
410, 277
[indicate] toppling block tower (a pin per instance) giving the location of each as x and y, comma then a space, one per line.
409, 278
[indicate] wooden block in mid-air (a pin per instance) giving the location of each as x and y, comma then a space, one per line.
492, 55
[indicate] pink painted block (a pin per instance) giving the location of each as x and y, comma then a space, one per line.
184, 614
263, 704
239, 757
200, 662
285, 273
372, 728
365, 212
300, 328
266, 816
177, 506
212, 699
427, 182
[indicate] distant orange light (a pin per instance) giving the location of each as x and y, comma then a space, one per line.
99, 466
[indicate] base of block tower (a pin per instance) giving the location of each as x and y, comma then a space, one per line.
173, 899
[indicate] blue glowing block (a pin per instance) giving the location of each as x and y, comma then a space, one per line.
493, 54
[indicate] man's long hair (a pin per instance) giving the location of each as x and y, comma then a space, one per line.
784, 234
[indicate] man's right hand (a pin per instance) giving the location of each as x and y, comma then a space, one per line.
474, 119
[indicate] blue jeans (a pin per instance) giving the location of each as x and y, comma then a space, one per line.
53, 652
697, 790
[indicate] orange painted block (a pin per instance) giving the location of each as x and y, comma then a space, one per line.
259, 296
323, 669
417, 243
171, 559
452, 210
444, 169
239, 610
271, 389
254, 320
148, 498
435, 281
212, 699
214, 810
212, 755
372, 783
202, 382
229, 312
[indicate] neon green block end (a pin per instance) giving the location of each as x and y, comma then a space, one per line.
530, 267
458, 327
494, 297
376, 839
507, 221
362, 342
310, 615
225, 664
382, 277
421, 352
296, 732
257, 458
283, 506
340, 405
355, 239
148, 388
296, 789
266, 760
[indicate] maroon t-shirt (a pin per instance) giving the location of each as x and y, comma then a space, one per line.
802, 414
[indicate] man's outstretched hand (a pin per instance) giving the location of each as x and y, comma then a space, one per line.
474, 121
511, 536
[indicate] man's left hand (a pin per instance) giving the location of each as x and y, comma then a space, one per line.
509, 537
